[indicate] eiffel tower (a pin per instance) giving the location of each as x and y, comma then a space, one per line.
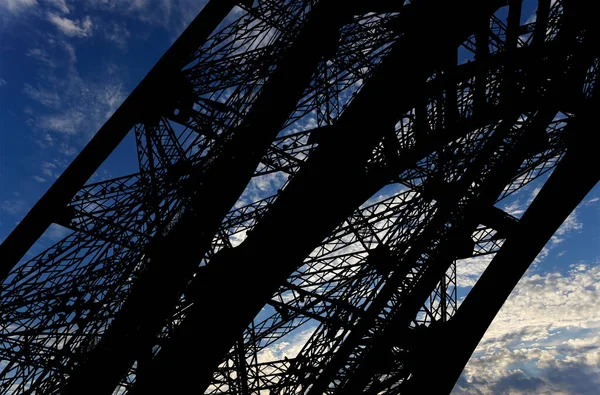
388, 133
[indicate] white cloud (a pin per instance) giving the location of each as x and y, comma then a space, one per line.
552, 300
67, 150
3, 82
533, 195
118, 34
571, 224
39, 179
262, 187
15, 6
56, 232
45, 140
61, 5
469, 270
41, 55
48, 169
173, 15
544, 340
70, 50
72, 28
45, 97
288, 347
67, 123
124, 4
79, 107
592, 201
13, 207
532, 18
515, 208
384, 193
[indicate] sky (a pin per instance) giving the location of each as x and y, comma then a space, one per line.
66, 65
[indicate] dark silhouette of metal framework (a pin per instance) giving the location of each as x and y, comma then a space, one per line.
461, 103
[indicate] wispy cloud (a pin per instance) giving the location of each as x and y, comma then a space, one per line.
518, 207
72, 28
45, 97
119, 4
16, 6
48, 169
61, 5
515, 208
288, 347
67, 122
53, 169
173, 15
117, 33
571, 224
56, 232
13, 207
261, 187
592, 200
469, 270
75, 106
41, 55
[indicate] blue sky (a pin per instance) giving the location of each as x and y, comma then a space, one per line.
66, 65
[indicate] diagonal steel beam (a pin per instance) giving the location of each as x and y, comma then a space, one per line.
173, 257
330, 185
557, 199
110, 135
577, 69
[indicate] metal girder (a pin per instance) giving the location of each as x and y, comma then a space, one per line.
147, 307
565, 189
417, 296
528, 149
101, 263
434, 262
109, 136
267, 245
159, 286
431, 254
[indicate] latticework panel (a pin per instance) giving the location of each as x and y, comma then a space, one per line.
253, 220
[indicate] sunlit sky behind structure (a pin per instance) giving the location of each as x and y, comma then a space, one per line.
66, 65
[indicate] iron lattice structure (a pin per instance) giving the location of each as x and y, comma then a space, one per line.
182, 278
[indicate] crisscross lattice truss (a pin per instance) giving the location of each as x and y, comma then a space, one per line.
311, 171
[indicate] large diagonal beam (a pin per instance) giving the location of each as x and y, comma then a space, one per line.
151, 88
330, 185
410, 306
448, 250
574, 177
172, 258
343, 360
571, 181
374, 346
